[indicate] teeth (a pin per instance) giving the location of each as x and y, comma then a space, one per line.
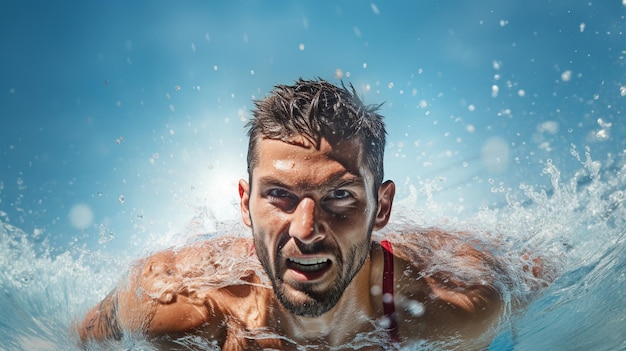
308, 261
308, 264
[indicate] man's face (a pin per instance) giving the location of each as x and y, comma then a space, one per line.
311, 213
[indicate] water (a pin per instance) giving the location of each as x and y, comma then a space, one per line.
122, 133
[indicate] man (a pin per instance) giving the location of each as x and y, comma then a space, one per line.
313, 274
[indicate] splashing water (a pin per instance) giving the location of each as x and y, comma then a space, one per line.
577, 226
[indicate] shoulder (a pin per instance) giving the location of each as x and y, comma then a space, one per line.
453, 269
211, 263
458, 255
448, 277
212, 258
182, 288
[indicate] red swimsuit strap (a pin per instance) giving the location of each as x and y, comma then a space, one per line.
389, 308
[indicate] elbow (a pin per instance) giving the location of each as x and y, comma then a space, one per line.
483, 301
479, 301
85, 328
101, 322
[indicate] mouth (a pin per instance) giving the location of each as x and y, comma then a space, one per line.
308, 268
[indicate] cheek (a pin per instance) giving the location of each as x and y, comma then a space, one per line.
359, 216
267, 222
351, 228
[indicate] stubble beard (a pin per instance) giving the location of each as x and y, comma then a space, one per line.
316, 303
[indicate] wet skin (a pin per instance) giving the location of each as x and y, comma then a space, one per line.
311, 212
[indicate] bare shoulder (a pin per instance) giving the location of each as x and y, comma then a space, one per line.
218, 262
176, 290
185, 286
452, 277
189, 269
460, 255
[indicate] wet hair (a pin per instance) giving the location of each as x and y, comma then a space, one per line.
316, 109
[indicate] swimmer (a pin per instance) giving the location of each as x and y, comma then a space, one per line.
315, 273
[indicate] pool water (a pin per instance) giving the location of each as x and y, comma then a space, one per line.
122, 134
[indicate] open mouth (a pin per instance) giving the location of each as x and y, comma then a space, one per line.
309, 268
308, 264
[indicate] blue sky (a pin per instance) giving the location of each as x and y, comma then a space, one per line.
134, 111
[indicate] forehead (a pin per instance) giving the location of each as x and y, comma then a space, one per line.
301, 157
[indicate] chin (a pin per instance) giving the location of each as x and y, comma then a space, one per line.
306, 304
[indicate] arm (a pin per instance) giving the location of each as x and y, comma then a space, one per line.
101, 321
152, 299
170, 291
454, 278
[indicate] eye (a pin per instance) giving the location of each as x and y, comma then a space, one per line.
339, 201
278, 193
340, 194
282, 199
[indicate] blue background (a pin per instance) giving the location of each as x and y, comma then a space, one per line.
122, 132
126, 118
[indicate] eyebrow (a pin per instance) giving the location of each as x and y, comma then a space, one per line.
336, 181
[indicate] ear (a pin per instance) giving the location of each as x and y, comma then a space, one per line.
244, 204
386, 192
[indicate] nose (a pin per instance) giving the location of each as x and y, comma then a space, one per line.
303, 226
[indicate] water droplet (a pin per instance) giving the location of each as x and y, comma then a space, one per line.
104, 236
25, 278
415, 308
602, 134
81, 216
494, 90
385, 322
375, 9
566, 76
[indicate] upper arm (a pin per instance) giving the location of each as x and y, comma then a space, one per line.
181, 289
155, 298
101, 321
467, 280
456, 277
171, 291
150, 299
